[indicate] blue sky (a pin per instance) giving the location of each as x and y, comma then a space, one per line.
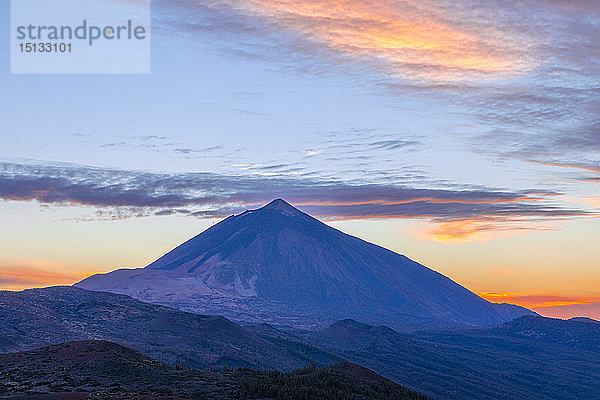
433, 128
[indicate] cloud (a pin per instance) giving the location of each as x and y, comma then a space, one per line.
394, 144
541, 300
279, 169
119, 193
537, 122
585, 167
412, 39
549, 122
404, 39
368, 143
187, 150
457, 230
527, 74
475, 230
442, 40
313, 152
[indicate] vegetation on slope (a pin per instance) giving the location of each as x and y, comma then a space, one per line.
103, 370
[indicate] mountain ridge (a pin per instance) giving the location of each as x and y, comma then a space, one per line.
39, 317
530, 358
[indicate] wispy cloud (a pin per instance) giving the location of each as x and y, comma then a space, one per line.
479, 229
132, 193
540, 122
527, 72
405, 39
187, 150
313, 152
571, 165
412, 38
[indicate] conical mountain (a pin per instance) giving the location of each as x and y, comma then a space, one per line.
279, 265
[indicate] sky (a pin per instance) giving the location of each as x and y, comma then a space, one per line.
463, 134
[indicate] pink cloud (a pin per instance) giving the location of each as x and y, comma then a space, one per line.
413, 39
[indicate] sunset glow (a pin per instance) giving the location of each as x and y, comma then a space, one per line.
19, 274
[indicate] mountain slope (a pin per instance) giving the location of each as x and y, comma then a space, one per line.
281, 266
531, 358
100, 369
39, 317
579, 333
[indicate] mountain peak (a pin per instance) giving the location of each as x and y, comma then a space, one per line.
281, 205
348, 323
278, 264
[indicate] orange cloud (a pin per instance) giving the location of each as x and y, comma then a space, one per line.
18, 274
584, 167
537, 301
414, 39
456, 230
477, 229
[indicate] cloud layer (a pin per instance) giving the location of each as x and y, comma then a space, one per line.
215, 195
414, 39
527, 72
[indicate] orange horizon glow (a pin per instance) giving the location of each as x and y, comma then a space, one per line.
20, 274
533, 300
549, 305
569, 311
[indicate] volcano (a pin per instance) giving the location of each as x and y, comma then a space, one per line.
279, 265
